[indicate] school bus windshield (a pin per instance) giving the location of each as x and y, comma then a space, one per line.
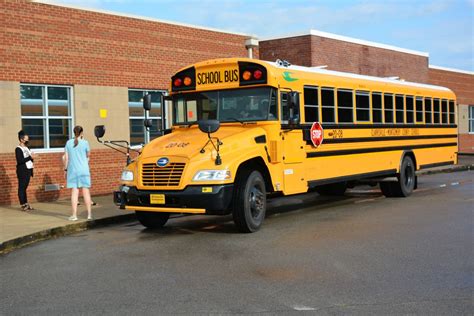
251, 104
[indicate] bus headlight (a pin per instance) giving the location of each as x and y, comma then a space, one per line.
127, 175
209, 175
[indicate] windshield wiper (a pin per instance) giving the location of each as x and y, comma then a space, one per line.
235, 120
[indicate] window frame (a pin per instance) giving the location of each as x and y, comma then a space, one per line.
334, 109
470, 118
369, 109
344, 107
46, 117
402, 96
313, 106
391, 110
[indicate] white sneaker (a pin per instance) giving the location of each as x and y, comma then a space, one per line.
72, 218
89, 218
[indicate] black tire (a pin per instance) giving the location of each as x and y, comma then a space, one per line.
334, 189
406, 180
152, 219
250, 201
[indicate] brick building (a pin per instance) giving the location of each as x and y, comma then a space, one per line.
342, 53
62, 66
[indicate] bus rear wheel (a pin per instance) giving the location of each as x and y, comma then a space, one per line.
250, 201
335, 189
406, 180
152, 219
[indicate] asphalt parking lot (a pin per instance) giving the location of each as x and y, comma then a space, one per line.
361, 254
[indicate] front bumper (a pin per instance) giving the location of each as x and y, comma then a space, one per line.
210, 199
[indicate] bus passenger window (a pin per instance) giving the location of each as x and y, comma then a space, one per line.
363, 106
399, 108
436, 111
311, 104
444, 111
388, 105
327, 105
419, 109
272, 114
428, 111
285, 111
452, 112
410, 110
377, 107
344, 106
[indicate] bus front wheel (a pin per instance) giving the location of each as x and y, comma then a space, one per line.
152, 219
250, 201
406, 180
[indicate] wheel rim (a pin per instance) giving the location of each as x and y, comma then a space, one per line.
256, 201
409, 175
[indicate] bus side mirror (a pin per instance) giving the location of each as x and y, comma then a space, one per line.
209, 126
148, 123
99, 131
294, 108
147, 102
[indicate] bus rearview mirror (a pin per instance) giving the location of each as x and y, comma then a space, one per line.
208, 126
99, 131
147, 102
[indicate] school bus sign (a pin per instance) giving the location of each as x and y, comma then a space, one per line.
216, 77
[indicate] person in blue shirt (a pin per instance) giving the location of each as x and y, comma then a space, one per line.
76, 166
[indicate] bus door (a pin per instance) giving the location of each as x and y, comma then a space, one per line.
293, 147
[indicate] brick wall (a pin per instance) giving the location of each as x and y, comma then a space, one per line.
462, 84
340, 55
43, 43
106, 167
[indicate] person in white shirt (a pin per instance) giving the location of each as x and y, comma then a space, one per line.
24, 169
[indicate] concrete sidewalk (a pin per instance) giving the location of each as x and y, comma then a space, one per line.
50, 220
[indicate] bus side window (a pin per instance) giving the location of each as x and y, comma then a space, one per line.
436, 111
285, 111
363, 106
399, 109
311, 104
179, 111
345, 108
377, 107
273, 106
428, 111
452, 112
327, 105
410, 110
419, 109
388, 105
444, 111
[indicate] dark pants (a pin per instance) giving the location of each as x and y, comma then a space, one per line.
24, 177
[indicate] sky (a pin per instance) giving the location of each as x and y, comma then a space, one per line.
442, 28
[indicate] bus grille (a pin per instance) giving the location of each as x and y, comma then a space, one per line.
152, 175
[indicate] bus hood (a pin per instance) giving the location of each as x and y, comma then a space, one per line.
188, 142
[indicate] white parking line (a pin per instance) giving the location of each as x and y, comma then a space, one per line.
454, 183
303, 308
442, 185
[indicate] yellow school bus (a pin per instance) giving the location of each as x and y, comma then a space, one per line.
244, 128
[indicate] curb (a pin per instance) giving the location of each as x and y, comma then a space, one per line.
20, 242
447, 170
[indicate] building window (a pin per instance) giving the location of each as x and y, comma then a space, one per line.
46, 114
327, 102
311, 104
471, 119
138, 134
345, 108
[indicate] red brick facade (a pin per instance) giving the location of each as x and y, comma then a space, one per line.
310, 50
51, 44
106, 167
462, 84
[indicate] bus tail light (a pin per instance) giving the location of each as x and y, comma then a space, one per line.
187, 81
257, 74
246, 75
184, 80
177, 82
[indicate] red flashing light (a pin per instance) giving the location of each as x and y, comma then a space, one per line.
177, 82
257, 74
